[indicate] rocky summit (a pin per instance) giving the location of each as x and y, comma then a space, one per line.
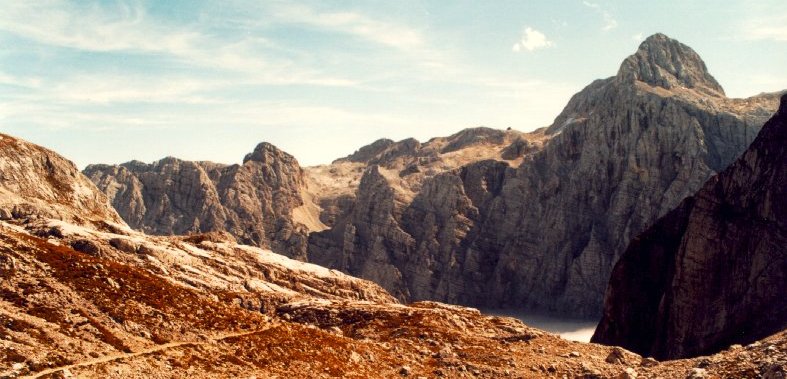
259, 202
664, 62
537, 220
89, 297
712, 272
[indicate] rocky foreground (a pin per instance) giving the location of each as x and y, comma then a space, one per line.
66, 313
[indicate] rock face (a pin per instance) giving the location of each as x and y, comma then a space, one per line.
448, 220
712, 272
666, 63
36, 182
259, 202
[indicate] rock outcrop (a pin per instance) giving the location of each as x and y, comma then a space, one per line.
663, 62
260, 202
453, 220
712, 272
37, 182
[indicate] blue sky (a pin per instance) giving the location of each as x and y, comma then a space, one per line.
111, 81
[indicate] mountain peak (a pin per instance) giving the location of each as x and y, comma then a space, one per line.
266, 152
665, 62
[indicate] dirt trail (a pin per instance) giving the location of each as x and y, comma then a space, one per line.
150, 350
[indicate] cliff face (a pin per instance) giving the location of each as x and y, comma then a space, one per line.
37, 182
545, 230
713, 271
259, 202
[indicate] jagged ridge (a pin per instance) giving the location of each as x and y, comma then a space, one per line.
259, 202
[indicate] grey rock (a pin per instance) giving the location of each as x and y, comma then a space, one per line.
518, 148
774, 371
86, 246
369, 152
712, 272
648, 362
254, 201
124, 245
7, 266
664, 62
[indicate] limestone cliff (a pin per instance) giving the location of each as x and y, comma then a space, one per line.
453, 220
712, 272
259, 202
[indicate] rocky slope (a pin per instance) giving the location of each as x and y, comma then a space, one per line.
37, 182
712, 272
260, 202
457, 220
99, 300
69, 314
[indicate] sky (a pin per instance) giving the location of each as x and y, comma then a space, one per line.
112, 81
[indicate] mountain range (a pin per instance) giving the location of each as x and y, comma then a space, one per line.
485, 217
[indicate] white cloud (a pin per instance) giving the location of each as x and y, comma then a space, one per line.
768, 28
590, 5
93, 29
531, 40
609, 21
129, 29
19, 81
353, 23
409, 42
637, 37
